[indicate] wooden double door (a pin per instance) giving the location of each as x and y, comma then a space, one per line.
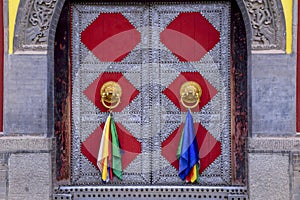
151, 50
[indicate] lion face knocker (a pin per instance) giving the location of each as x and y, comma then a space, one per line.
111, 93
190, 94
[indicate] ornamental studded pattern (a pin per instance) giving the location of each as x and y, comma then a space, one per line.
150, 50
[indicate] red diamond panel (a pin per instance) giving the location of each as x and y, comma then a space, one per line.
209, 147
208, 91
130, 147
129, 92
190, 36
110, 37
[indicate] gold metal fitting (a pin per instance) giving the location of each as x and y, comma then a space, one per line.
190, 94
111, 93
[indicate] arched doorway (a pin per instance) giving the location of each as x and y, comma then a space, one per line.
234, 154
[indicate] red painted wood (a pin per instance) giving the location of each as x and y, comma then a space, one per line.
298, 75
110, 43
1, 64
190, 36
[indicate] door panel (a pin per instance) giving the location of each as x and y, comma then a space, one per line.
151, 50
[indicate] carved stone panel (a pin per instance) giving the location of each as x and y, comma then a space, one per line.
34, 19
266, 23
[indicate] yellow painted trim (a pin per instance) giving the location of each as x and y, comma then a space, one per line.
12, 15
288, 14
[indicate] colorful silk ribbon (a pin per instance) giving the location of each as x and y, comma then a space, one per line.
187, 152
109, 159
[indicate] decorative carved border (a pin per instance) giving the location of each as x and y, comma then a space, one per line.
33, 27
35, 16
267, 24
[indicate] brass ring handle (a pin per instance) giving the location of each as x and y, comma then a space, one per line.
111, 93
190, 94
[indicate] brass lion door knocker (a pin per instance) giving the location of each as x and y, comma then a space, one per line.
190, 94
111, 93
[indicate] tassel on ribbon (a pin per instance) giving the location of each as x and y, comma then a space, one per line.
187, 152
109, 159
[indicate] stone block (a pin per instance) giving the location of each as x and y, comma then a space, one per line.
25, 144
29, 176
25, 94
275, 144
296, 185
2, 193
269, 176
273, 94
2, 178
296, 197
